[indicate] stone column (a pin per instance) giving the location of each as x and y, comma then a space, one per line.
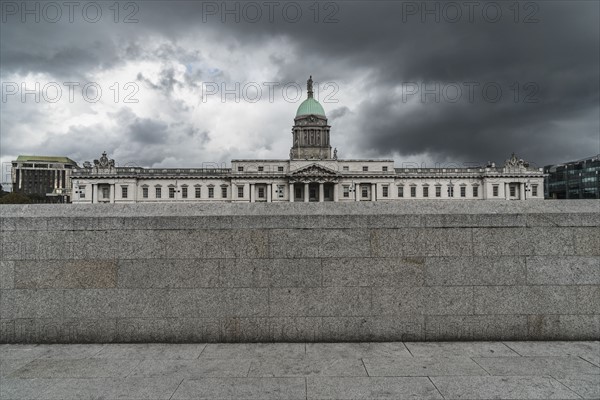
94, 192
373, 191
269, 192
356, 192
321, 192
252, 193
306, 198
521, 191
336, 196
292, 194
506, 191
111, 192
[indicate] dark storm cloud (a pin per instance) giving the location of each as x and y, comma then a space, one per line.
385, 46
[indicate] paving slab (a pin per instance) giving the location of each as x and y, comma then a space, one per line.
422, 366
16, 351
371, 388
252, 350
587, 386
206, 367
8, 366
26, 389
152, 351
497, 387
587, 350
65, 351
460, 349
307, 366
81, 368
554, 366
242, 388
357, 350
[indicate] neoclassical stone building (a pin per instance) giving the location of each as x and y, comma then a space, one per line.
313, 173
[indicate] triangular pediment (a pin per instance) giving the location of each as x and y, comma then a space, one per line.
314, 170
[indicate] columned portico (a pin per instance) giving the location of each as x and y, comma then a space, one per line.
521, 191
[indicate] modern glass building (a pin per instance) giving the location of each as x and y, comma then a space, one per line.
573, 180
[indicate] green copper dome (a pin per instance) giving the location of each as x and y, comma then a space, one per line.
310, 106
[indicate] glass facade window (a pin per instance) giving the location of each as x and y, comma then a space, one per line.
573, 180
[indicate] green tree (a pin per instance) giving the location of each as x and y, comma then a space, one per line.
14, 198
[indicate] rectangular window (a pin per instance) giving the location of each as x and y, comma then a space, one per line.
240, 169
211, 193
158, 192
124, 192
365, 168
450, 191
463, 191
240, 192
534, 190
345, 168
384, 191
184, 192
224, 192
197, 192
261, 192
400, 191
346, 191
298, 192
513, 190
145, 193
413, 191
475, 191
365, 191
261, 169
438, 191
384, 169
171, 192
280, 191
280, 169
495, 190
82, 192
425, 191
105, 193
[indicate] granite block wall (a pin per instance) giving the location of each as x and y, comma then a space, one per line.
414, 270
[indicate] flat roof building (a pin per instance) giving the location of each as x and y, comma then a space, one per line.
573, 180
43, 178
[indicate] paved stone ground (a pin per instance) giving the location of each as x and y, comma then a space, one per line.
416, 370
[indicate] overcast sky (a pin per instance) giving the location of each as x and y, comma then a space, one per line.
420, 82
